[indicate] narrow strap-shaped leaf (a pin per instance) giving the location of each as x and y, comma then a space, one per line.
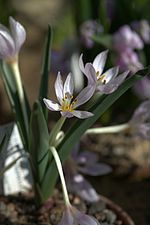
103, 39
2, 143
9, 165
78, 129
13, 97
45, 70
39, 140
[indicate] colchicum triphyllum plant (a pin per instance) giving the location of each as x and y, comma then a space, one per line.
48, 151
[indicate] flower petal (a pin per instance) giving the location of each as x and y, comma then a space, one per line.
59, 88
99, 61
90, 74
69, 85
77, 184
53, 106
82, 114
18, 33
67, 218
144, 131
83, 219
67, 114
113, 84
85, 95
111, 73
86, 157
7, 46
141, 114
96, 169
81, 65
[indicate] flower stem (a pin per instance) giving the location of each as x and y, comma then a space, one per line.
109, 129
61, 174
15, 69
53, 135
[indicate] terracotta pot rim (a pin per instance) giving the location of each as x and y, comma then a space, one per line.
122, 215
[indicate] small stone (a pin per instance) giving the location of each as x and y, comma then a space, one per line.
110, 216
118, 222
105, 223
97, 207
100, 216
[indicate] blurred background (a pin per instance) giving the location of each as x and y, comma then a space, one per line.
89, 27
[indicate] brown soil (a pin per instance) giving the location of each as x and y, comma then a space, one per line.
21, 210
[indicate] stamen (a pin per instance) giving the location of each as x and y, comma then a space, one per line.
97, 73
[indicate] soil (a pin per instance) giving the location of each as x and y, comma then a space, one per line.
128, 155
21, 210
129, 183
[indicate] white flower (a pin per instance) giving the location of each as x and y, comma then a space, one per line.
11, 41
67, 102
106, 82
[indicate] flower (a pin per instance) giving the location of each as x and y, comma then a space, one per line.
87, 163
140, 121
106, 82
87, 29
11, 41
68, 103
129, 60
143, 29
126, 38
142, 88
72, 216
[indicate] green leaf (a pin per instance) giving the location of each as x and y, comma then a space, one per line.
45, 71
39, 141
5, 133
103, 39
13, 96
2, 143
9, 165
80, 126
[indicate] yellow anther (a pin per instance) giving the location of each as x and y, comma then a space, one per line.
101, 78
97, 73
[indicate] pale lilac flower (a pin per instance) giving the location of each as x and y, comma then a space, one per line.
105, 82
142, 88
129, 60
72, 216
87, 163
87, 30
67, 102
143, 29
11, 41
126, 38
140, 121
